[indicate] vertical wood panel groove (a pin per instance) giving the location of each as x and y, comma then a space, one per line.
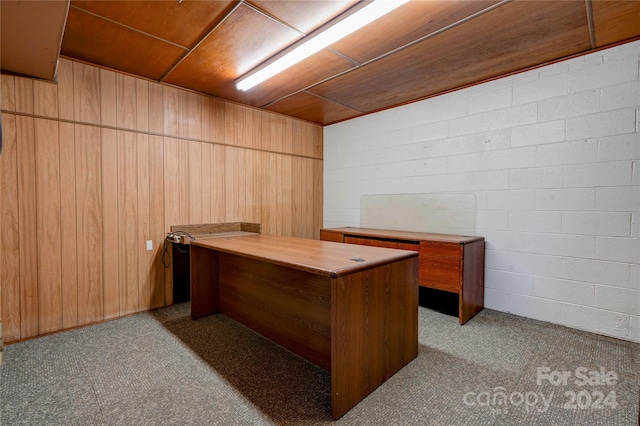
156, 116
143, 232
171, 170
195, 171
45, 99
109, 183
10, 236
27, 209
142, 105
24, 95
183, 183
86, 93
156, 211
108, 98
68, 225
90, 232
49, 259
128, 222
65, 90
8, 98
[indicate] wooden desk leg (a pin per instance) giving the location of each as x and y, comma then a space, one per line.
204, 282
374, 330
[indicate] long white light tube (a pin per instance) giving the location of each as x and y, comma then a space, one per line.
352, 23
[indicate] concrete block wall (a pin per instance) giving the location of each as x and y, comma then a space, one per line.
553, 158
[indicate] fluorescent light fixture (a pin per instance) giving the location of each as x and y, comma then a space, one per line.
348, 25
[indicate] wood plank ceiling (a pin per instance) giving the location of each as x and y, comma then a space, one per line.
422, 49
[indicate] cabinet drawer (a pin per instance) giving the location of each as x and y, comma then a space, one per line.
439, 249
441, 273
382, 243
331, 236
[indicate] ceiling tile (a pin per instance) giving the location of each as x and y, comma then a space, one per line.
615, 21
92, 39
182, 23
322, 65
404, 25
230, 51
305, 16
307, 106
476, 51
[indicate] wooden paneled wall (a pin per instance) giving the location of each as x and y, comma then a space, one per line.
100, 162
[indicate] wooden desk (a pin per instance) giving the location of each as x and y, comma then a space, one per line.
452, 263
351, 310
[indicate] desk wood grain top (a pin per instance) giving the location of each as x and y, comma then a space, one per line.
318, 257
406, 235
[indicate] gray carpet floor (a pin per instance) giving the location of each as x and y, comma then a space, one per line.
161, 368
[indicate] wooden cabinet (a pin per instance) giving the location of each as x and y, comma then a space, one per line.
450, 263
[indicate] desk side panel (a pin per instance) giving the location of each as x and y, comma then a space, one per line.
472, 295
288, 306
375, 330
204, 282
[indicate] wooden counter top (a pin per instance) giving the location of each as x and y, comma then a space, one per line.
214, 230
406, 235
206, 236
318, 257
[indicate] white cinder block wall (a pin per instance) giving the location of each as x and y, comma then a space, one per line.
553, 158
